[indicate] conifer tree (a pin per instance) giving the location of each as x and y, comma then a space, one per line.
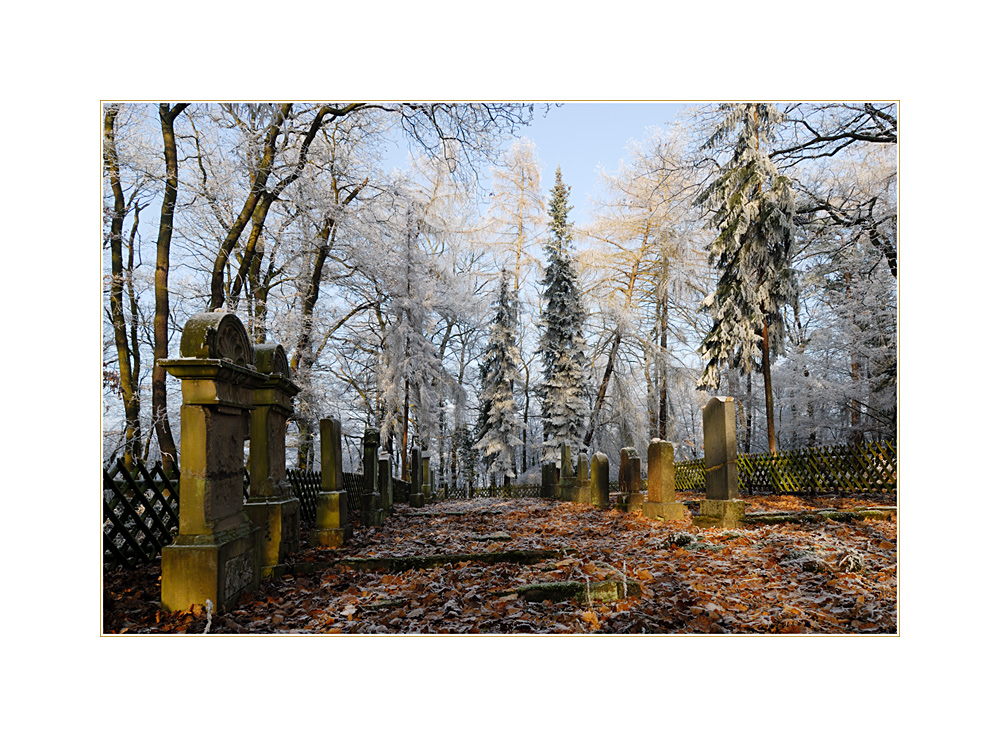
500, 426
752, 205
562, 346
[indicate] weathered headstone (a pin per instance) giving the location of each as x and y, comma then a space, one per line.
272, 506
416, 482
599, 481
630, 480
427, 489
662, 503
371, 499
722, 506
385, 481
332, 526
567, 479
216, 554
549, 480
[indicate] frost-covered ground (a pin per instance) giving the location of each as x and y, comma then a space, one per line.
815, 577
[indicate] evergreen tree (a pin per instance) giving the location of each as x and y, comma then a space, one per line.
499, 426
564, 409
752, 205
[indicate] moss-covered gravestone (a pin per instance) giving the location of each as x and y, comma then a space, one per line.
722, 506
567, 479
427, 489
272, 506
216, 554
599, 481
332, 527
630, 480
662, 503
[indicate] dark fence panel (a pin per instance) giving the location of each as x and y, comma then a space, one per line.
141, 510
858, 468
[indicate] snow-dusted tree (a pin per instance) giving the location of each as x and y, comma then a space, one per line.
562, 345
501, 426
752, 205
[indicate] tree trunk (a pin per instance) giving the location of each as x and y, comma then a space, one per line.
128, 356
161, 315
602, 392
772, 444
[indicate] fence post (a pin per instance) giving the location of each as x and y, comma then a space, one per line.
332, 528
216, 554
272, 506
721, 507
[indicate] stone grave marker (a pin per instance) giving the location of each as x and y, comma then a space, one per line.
385, 481
332, 526
216, 554
371, 498
599, 481
722, 506
272, 506
662, 502
630, 480
416, 484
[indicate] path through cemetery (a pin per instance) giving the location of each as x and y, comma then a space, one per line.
544, 566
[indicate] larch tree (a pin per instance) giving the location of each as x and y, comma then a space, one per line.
753, 206
562, 345
501, 425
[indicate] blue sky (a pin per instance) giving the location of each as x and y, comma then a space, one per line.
581, 136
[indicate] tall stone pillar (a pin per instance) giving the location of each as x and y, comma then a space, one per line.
216, 554
371, 499
416, 483
600, 481
662, 502
427, 489
567, 479
722, 506
332, 526
385, 481
630, 480
272, 506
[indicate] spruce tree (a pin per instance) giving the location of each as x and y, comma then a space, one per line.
499, 425
564, 408
752, 205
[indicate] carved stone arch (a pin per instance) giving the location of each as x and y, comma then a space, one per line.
270, 358
218, 335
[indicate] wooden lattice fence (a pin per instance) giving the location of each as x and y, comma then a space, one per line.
845, 469
141, 511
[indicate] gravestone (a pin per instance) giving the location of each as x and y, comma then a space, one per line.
549, 480
722, 506
630, 480
216, 553
427, 488
662, 502
332, 526
581, 494
599, 481
416, 484
371, 498
385, 481
272, 506
567, 479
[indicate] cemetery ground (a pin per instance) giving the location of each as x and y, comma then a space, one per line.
534, 566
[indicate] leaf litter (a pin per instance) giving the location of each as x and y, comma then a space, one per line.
817, 577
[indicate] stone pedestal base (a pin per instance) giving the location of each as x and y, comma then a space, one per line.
416, 501
725, 513
335, 537
219, 567
663, 510
371, 510
278, 519
578, 494
634, 502
332, 528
